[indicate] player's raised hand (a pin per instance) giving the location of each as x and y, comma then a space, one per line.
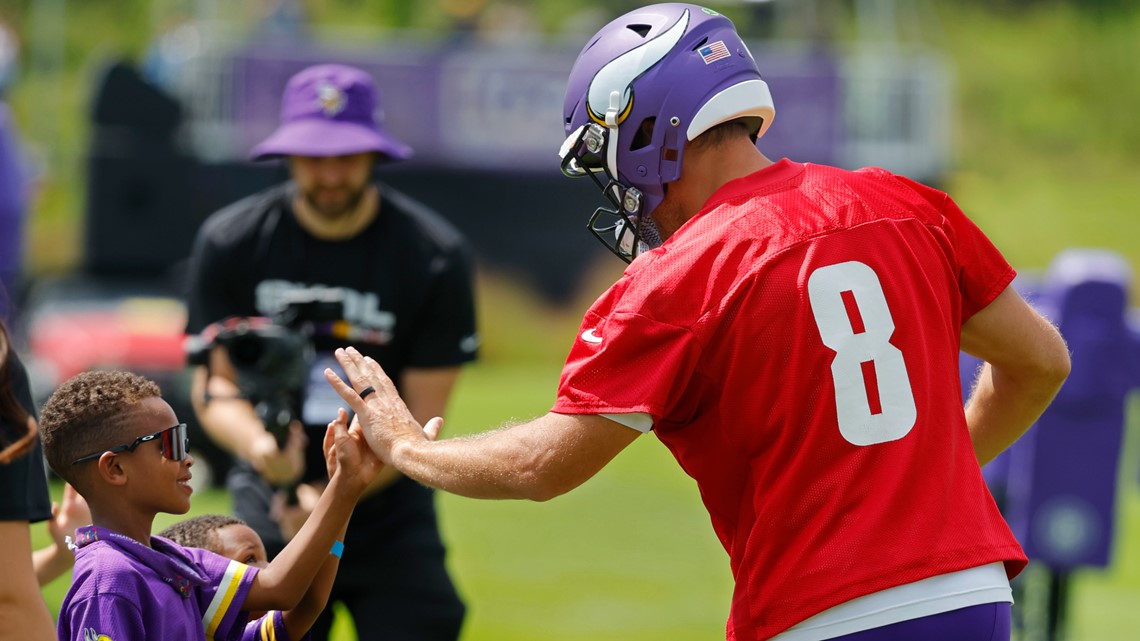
384, 418
432, 428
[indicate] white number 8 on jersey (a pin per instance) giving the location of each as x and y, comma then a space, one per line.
873, 397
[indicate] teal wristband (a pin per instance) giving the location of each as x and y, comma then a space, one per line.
337, 549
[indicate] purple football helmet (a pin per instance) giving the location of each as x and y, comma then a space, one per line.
644, 85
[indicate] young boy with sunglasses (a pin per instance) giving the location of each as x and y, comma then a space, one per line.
109, 434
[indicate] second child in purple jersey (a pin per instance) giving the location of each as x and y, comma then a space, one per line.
230, 537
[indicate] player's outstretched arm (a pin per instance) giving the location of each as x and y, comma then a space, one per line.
1026, 362
538, 460
283, 584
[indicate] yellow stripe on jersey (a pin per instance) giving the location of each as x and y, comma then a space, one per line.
220, 604
268, 629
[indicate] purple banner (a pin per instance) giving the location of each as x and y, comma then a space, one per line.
501, 108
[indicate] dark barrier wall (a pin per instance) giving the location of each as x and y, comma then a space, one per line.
532, 226
137, 214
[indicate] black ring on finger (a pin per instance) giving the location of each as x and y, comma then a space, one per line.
366, 391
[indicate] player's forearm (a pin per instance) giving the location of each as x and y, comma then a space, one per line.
1027, 361
283, 583
538, 460
1005, 403
482, 467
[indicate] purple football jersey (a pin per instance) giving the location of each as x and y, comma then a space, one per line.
124, 590
270, 627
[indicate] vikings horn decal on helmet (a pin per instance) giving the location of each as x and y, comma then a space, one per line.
644, 85
623, 70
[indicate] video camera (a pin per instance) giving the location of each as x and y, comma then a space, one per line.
272, 355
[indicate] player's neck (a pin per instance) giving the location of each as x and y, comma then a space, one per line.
343, 226
721, 164
708, 168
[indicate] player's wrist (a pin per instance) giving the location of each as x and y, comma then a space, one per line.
405, 452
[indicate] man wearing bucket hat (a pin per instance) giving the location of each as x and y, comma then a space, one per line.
403, 278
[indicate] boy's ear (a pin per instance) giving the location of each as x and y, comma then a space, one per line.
110, 470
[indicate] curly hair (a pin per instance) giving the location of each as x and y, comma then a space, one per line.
89, 412
200, 531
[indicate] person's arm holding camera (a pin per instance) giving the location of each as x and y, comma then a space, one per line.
228, 418
233, 423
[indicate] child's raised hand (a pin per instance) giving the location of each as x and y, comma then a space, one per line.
72, 512
329, 444
347, 453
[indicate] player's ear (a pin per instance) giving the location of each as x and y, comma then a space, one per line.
110, 470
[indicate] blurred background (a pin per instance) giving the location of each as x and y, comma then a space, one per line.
124, 123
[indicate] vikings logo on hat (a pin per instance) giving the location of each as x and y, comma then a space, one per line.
331, 99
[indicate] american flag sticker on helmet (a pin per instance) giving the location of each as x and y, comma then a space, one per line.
715, 51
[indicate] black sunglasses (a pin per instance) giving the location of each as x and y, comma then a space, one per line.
175, 445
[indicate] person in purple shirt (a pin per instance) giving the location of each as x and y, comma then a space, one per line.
14, 180
14, 193
112, 436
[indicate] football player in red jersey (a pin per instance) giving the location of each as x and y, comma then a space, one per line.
791, 332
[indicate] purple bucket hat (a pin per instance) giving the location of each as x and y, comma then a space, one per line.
330, 110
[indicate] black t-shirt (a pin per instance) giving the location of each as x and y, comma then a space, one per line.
24, 481
406, 281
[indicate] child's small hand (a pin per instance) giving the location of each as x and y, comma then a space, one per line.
329, 444
71, 513
347, 453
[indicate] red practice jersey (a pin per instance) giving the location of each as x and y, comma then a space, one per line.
796, 344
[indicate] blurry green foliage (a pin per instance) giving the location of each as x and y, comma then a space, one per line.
1045, 135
